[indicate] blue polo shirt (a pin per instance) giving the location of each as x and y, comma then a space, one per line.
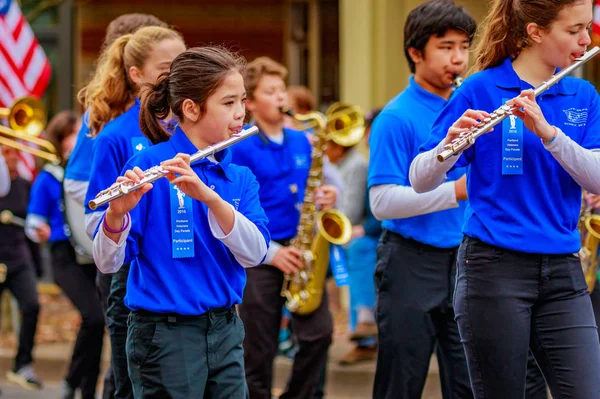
536, 211
45, 201
212, 278
281, 171
396, 135
80, 160
118, 141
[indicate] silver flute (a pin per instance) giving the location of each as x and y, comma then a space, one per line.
118, 190
468, 137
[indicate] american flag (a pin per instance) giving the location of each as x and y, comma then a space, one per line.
24, 67
596, 22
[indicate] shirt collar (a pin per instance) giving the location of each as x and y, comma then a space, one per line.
506, 78
265, 142
432, 101
182, 144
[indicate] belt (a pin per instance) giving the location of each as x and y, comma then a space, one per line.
146, 316
390, 236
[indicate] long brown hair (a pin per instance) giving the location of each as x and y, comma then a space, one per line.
111, 91
195, 74
129, 23
504, 31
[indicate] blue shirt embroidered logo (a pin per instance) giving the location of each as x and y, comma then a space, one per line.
118, 141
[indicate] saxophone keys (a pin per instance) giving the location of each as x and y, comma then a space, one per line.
304, 295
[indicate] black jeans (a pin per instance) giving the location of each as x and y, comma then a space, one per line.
261, 312
414, 284
181, 357
595, 297
78, 284
507, 302
103, 282
116, 315
21, 281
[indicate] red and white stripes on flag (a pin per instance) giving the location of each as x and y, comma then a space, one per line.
596, 22
24, 67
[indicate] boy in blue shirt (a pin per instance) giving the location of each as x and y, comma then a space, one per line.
280, 159
417, 250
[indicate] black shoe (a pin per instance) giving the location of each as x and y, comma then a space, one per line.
67, 391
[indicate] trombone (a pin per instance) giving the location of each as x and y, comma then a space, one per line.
26, 120
7, 217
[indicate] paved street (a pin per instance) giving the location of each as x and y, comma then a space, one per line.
343, 382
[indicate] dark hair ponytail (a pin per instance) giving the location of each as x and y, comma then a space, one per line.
195, 74
154, 107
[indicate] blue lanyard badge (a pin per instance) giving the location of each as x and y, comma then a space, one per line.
512, 145
337, 262
182, 217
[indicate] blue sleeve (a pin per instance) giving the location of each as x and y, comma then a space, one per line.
391, 145
78, 166
457, 105
251, 208
591, 136
40, 197
106, 167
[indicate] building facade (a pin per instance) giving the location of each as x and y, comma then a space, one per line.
349, 50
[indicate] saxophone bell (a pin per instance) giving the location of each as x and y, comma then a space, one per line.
589, 230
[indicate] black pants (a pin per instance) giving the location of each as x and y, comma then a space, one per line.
507, 302
21, 281
182, 357
595, 297
117, 314
261, 312
414, 285
78, 284
103, 282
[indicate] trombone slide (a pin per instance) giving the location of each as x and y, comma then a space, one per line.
7, 217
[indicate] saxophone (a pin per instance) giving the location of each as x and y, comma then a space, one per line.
589, 230
304, 290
